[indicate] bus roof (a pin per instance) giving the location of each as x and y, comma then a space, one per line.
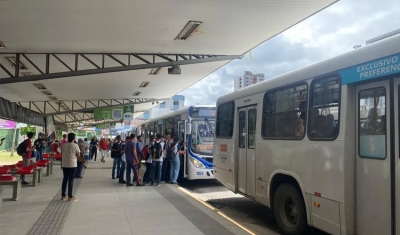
177, 112
373, 51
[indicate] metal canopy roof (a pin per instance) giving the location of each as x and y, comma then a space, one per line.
94, 50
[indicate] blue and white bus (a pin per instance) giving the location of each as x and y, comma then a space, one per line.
320, 145
194, 124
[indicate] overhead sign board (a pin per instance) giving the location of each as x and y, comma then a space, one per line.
5, 124
372, 69
116, 113
81, 133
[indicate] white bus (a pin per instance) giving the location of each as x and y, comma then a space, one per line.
195, 125
320, 145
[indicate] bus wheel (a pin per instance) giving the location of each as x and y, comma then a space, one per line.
289, 211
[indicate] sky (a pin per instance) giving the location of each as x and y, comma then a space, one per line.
329, 33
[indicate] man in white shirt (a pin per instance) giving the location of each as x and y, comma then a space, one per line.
157, 157
70, 153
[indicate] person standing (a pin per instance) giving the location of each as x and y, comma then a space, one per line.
132, 161
26, 158
139, 147
104, 148
116, 155
39, 146
148, 175
123, 163
174, 162
86, 154
80, 159
93, 148
70, 152
157, 153
64, 140
166, 166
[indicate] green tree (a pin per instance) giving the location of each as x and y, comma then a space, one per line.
28, 128
59, 134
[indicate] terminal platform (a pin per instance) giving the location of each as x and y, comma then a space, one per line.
106, 207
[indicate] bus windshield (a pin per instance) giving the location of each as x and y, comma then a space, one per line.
203, 136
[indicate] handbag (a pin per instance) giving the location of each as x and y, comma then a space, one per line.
123, 158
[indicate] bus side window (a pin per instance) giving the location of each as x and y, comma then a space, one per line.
284, 113
324, 109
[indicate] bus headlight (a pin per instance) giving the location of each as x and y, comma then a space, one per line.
196, 162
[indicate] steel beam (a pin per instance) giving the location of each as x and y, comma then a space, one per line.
187, 59
81, 120
125, 102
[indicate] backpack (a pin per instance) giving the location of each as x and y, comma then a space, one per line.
145, 152
157, 150
21, 149
170, 152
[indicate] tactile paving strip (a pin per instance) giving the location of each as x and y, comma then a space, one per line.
53, 217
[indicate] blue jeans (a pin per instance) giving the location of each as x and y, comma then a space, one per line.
122, 171
78, 172
174, 166
157, 166
87, 158
38, 154
116, 164
148, 175
130, 167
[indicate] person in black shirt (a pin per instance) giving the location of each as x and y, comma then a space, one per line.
116, 155
93, 148
39, 146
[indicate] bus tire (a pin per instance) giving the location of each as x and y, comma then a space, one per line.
289, 210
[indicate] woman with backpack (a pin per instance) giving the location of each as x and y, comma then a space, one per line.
174, 162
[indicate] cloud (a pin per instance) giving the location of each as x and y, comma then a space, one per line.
328, 33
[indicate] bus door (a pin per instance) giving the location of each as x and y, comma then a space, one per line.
374, 158
182, 135
246, 157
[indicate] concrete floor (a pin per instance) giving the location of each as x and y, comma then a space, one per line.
106, 207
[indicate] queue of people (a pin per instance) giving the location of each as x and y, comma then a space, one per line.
161, 156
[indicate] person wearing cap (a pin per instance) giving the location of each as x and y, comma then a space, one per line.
80, 160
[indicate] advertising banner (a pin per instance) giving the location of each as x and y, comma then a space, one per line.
128, 113
5, 124
117, 113
81, 133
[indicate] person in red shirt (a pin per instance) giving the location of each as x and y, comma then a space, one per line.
104, 149
26, 158
54, 147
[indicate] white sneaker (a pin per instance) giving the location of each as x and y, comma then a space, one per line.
72, 199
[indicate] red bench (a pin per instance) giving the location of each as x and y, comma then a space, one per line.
11, 180
45, 163
4, 170
28, 170
57, 156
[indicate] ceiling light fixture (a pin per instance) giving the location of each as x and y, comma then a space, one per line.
2, 45
47, 93
175, 70
144, 84
39, 86
154, 71
13, 63
189, 28
26, 74
53, 97
136, 93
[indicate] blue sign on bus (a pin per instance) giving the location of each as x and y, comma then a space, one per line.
373, 69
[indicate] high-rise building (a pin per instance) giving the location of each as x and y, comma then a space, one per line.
247, 79
173, 104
